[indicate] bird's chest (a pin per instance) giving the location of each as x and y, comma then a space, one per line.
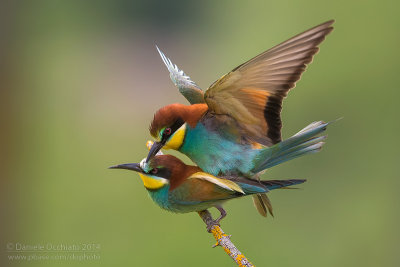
175, 201
217, 152
160, 197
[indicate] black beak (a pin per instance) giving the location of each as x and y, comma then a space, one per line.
129, 166
154, 150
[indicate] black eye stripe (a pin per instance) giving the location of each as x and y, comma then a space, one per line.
162, 172
175, 126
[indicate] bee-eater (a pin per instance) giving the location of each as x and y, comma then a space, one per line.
182, 188
235, 126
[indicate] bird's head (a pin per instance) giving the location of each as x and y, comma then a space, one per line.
158, 172
168, 127
170, 123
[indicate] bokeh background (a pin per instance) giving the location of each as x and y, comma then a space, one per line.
80, 81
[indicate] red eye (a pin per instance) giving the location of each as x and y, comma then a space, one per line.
167, 131
154, 171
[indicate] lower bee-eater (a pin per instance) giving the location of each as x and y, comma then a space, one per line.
182, 188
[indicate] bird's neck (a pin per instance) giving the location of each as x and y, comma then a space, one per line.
193, 113
181, 174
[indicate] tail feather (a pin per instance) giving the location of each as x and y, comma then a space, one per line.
307, 150
276, 184
313, 145
262, 202
303, 142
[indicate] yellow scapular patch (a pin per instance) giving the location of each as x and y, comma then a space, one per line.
152, 183
176, 140
223, 183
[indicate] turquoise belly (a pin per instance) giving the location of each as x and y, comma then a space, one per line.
176, 203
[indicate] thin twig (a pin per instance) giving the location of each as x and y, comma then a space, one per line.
224, 240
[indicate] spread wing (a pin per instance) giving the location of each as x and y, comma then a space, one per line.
252, 93
186, 86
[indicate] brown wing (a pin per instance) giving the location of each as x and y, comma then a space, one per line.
252, 93
202, 186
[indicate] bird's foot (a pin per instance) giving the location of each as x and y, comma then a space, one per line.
211, 224
206, 216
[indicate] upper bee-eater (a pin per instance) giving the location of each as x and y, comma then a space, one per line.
182, 188
234, 127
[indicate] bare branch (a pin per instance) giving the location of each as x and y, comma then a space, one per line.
224, 240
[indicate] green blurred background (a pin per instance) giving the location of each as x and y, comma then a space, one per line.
80, 83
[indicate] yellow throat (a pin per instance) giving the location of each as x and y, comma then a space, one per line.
176, 140
151, 182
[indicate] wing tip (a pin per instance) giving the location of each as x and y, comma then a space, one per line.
165, 59
326, 25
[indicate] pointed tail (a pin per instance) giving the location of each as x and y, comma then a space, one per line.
276, 184
304, 142
262, 202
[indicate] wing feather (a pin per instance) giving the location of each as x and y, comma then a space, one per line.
252, 93
222, 183
188, 88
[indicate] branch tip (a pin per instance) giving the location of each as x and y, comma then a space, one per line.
216, 245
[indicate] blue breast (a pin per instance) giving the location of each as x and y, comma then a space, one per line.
216, 154
160, 197
175, 201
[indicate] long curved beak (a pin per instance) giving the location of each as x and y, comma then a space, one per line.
129, 166
154, 150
